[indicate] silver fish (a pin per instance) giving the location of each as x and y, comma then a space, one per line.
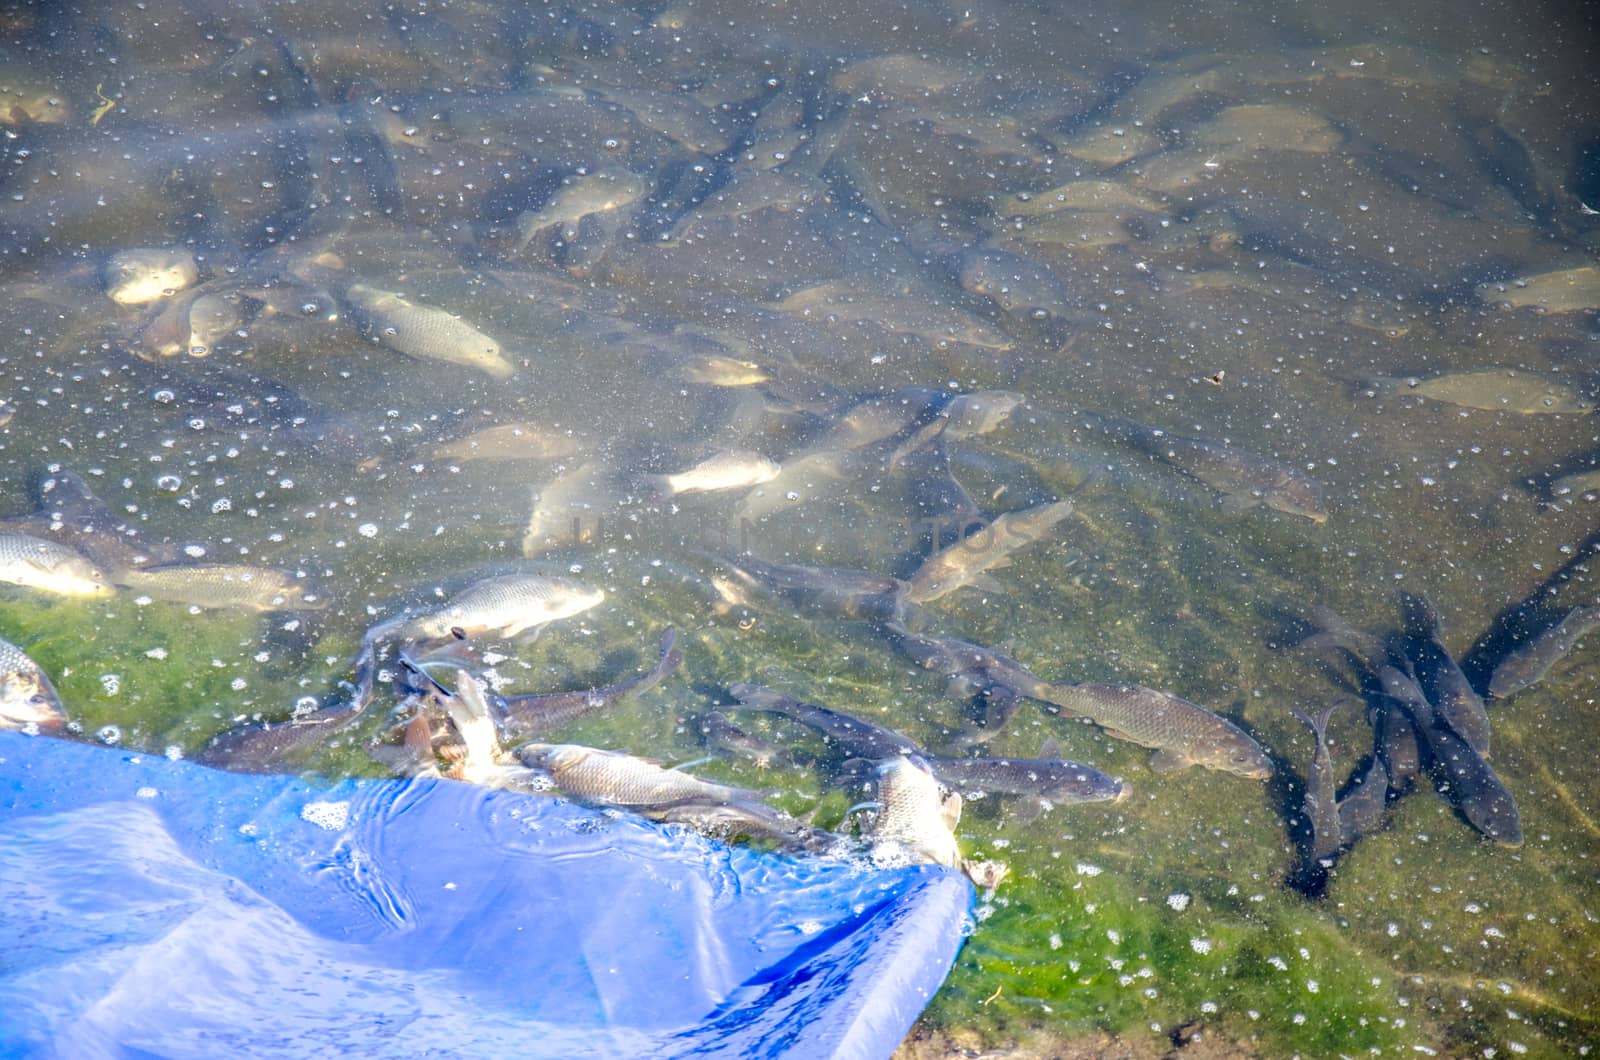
49, 567
505, 605
613, 778
1182, 733
964, 563
137, 277
914, 819
723, 471
27, 698
225, 585
425, 331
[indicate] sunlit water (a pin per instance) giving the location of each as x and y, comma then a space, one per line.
1220, 221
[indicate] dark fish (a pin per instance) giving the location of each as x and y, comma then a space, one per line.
1397, 744
1528, 665
1245, 479
273, 747
851, 737
749, 582
532, 715
720, 733
1048, 780
1468, 781
1182, 733
1361, 808
1321, 805
1452, 695
971, 670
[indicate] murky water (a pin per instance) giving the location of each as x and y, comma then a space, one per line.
1254, 226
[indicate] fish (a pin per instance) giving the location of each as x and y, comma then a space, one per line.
49, 567
851, 737
1045, 781
875, 419
1529, 663
1397, 744
734, 469
963, 564
1492, 389
847, 304
68, 513
570, 509
1245, 479
605, 191
485, 760
1467, 781
1362, 805
745, 581
720, 733
1581, 483
1182, 733
713, 369
1561, 291
425, 332
503, 605
1452, 695
225, 586
1014, 283
914, 819
979, 412
614, 778
509, 441
28, 700
147, 274
750, 821
535, 714
1321, 807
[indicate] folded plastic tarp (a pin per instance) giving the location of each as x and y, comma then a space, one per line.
151, 907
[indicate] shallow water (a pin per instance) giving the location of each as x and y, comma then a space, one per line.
1294, 203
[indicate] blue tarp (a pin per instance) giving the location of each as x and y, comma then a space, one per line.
150, 907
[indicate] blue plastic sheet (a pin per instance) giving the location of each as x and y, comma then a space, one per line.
150, 907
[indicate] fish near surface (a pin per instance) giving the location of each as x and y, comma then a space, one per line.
44, 565
505, 605
963, 564
1468, 782
1048, 780
1452, 695
1181, 733
225, 585
612, 778
851, 737
533, 715
734, 469
27, 698
508, 442
1321, 807
1528, 664
832, 591
914, 819
425, 332
1491, 389
721, 734
1245, 479
141, 276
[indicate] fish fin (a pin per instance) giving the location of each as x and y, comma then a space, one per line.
1167, 760
985, 583
950, 810
1050, 749
1027, 810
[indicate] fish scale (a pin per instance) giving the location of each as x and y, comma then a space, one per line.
508, 605
616, 779
26, 694
45, 565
